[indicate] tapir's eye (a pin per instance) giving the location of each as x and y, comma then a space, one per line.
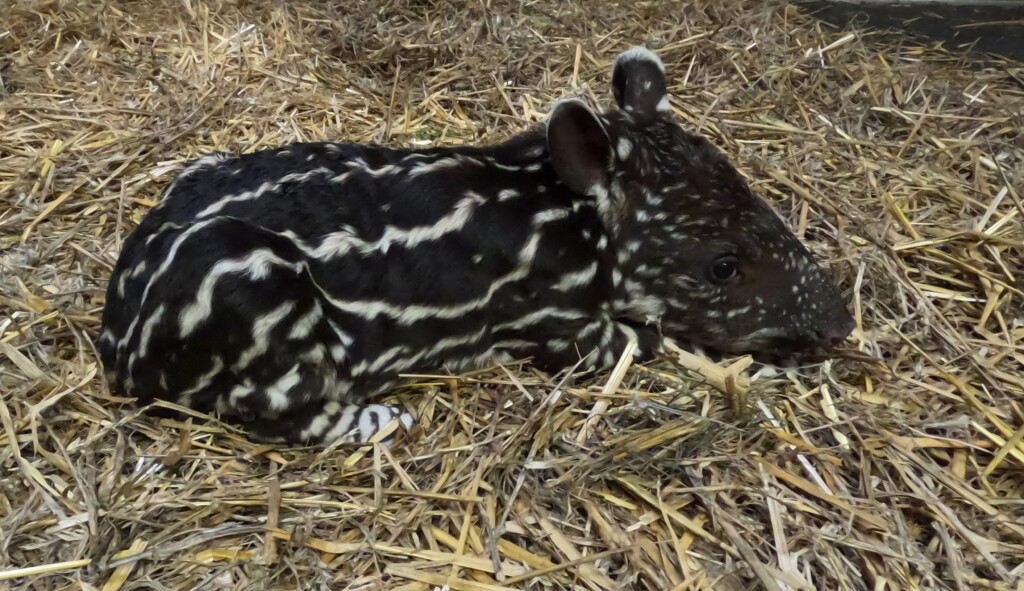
723, 269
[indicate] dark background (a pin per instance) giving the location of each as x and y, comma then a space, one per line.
996, 28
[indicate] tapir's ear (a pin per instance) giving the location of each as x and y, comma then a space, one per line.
638, 83
580, 149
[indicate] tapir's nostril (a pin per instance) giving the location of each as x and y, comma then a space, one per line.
839, 329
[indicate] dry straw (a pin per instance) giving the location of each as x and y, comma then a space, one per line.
895, 465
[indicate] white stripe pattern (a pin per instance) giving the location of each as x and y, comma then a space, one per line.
441, 346
147, 329
575, 279
256, 265
263, 189
338, 244
304, 325
261, 334
277, 393
204, 381
539, 316
166, 264
410, 313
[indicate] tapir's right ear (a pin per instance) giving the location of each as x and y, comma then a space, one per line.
580, 149
638, 84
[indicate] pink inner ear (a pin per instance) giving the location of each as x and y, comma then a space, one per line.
579, 146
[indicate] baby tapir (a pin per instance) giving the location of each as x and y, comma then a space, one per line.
284, 288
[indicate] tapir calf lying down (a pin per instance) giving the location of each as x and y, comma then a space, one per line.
284, 288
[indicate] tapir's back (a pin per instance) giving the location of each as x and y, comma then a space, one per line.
312, 189
390, 247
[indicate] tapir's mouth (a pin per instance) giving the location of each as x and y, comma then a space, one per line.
774, 343
781, 355
777, 344
798, 341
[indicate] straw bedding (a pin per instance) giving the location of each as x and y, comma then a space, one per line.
894, 464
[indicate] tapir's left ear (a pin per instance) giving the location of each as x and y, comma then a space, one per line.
581, 152
638, 83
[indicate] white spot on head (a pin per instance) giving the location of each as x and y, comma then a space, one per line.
663, 105
737, 311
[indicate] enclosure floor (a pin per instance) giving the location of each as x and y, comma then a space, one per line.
897, 463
